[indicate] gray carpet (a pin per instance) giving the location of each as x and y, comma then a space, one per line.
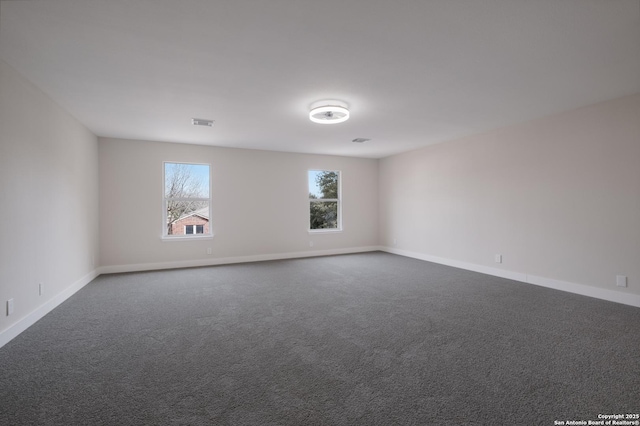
364, 339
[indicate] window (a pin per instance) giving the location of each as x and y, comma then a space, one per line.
324, 200
193, 229
187, 200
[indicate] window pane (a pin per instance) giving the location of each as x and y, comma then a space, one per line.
186, 180
186, 199
181, 214
323, 184
324, 214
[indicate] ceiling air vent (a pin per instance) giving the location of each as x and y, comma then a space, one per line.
360, 140
201, 122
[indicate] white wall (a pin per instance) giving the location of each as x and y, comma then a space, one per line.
48, 194
260, 205
558, 197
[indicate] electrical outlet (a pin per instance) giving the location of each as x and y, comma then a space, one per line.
395, 242
40, 289
310, 243
9, 307
621, 280
208, 250
498, 258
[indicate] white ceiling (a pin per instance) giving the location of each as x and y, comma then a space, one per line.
414, 72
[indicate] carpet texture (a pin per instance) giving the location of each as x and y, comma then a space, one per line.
363, 339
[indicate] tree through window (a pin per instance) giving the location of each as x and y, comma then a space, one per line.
187, 201
324, 200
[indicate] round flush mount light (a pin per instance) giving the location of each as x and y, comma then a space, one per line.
329, 112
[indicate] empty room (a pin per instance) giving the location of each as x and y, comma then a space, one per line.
294, 212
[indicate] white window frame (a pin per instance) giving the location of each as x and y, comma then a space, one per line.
165, 235
338, 227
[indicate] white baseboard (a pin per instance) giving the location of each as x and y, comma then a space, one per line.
7, 335
582, 289
587, 290
229, 260
458, 264
14, 330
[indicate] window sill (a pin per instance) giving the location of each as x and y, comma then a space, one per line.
185, 238
324, 231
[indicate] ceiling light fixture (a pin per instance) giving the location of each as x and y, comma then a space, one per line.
329, 112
